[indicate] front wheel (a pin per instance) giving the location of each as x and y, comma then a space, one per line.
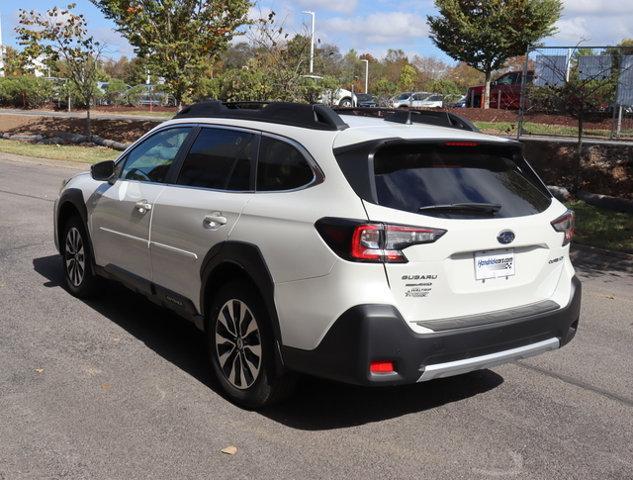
241, 348
76, 254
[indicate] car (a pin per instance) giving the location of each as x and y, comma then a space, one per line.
373, 251
417, 100
460, 102
339, 97
505, 91
402, 100
366, 100
433, 100
147, 94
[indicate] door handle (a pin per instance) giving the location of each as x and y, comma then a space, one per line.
143, 207
215, 220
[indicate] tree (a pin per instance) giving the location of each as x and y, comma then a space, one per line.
61, 35
14, 62
408, 77
177, 38
485, 34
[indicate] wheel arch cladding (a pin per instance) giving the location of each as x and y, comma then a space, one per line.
231, 260
71, 202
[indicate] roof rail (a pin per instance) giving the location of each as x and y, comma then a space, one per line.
316, 117
408, 116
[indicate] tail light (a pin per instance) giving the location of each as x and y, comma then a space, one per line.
373, 242
565, 223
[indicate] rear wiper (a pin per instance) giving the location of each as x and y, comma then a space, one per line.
463, 207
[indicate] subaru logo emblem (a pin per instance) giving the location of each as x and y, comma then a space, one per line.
505, 237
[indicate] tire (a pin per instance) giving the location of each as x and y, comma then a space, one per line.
243, 359
345, 103
79, 276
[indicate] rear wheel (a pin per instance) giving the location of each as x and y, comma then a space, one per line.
77, 258
345, 102
241, 348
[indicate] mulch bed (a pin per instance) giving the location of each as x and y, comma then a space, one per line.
123, 130
593, 121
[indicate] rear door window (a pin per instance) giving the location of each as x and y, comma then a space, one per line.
220, 159
411, 177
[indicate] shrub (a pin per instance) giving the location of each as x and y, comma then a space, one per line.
115, 92
25, 91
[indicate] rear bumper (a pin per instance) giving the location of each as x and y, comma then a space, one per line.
367, 333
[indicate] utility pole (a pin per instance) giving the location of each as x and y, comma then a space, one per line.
1, 50
307, 12
366, 74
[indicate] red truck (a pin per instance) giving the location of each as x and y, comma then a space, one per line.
505, 91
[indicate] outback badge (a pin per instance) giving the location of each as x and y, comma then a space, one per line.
505, 236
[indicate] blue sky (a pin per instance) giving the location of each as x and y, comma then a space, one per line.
370, 25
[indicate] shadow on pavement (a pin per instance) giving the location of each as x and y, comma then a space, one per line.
595, 262
316, 405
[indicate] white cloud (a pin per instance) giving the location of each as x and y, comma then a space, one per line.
573, 29
380, 28
598, 7
343, 6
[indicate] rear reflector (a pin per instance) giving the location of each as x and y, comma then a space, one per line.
381, 367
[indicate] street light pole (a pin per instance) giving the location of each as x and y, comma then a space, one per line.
1, 51
307, 12
366, 74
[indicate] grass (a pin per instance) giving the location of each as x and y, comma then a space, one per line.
139, 113
603, 228
74, 153
509, 128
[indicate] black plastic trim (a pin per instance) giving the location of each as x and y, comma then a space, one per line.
315, 117
441, 325
74, 197
249, 259
165, 297
372, 332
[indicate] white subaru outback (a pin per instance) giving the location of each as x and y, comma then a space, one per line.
374, 251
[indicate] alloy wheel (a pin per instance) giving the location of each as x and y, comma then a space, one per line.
238, 344
74, 257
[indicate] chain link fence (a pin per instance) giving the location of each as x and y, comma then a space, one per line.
580, 91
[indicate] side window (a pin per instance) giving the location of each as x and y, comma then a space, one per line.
219, 159
151, 159
281, 166
505, 79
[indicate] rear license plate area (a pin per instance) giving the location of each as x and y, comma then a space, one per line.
494, 264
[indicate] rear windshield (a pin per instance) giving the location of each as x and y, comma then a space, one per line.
411, 177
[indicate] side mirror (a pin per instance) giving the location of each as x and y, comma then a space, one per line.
103, 171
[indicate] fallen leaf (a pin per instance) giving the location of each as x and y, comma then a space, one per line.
39, 370
230, 450
105, 386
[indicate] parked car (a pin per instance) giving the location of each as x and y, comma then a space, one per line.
371, 251
505, 91
460, 102
433, 100
145, 95
366, 100
402, 100
417, 100
339, 98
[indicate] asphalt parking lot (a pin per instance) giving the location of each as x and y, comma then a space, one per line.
117, 388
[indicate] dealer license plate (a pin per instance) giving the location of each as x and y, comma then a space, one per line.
494, 264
